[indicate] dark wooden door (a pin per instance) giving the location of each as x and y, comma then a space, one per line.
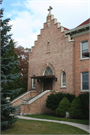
47, 84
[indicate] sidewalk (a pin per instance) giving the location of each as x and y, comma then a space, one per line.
81, 126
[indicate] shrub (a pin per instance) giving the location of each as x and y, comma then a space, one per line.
63, 107
53, 100
70, 97
75, 108
84, 98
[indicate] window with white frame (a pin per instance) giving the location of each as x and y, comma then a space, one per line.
85, 81
84, 48
33, 83
63, 79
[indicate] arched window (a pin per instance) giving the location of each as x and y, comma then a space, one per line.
48, 71
63, 79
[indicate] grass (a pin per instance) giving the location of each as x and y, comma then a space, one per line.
40, 127
52, 117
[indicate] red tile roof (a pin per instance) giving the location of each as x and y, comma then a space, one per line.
84, 23
66, 28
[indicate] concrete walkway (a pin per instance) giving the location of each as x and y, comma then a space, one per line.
81, 126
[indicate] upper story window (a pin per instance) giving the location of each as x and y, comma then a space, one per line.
63, 79
48, 71
85, 81
84, 49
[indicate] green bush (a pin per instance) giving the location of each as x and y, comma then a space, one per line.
84, 98
63, 107
75, 108
53, 100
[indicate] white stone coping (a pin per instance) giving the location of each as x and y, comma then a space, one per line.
84, 59
84, 91
20, 96
62, 86
37, 97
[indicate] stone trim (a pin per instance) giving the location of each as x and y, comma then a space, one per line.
84, 91
63, 87
84, 59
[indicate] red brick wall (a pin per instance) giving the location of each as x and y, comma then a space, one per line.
61, 56
80, 65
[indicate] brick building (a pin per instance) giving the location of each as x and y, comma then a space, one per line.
58, 54
57, 64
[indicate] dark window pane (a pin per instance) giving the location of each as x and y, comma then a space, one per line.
64, 79
84, 48
85, 81
84, 45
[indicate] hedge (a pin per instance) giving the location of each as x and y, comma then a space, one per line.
75, 110
53, 100
84, 99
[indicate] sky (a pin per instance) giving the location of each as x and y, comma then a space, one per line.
28, 16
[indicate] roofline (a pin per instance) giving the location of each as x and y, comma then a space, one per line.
77, 29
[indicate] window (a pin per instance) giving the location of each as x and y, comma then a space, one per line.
33, 83
84, 48
48, 71
63, 79
85, 81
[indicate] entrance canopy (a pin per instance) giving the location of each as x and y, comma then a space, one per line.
43, 77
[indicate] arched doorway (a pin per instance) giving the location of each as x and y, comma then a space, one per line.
48, 82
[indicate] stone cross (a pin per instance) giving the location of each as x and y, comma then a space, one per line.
50, 8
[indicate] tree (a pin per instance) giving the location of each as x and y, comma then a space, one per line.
23, 57
16, 83
7, 76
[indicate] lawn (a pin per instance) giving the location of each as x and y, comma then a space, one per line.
40, 127
52, 117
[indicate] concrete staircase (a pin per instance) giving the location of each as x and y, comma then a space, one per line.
25, 97
32, 104
18, 110
36, 105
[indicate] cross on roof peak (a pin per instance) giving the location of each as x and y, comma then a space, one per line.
50, 8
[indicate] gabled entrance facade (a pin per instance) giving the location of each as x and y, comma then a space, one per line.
55, 60
52, 55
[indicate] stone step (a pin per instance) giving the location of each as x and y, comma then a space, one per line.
18, 110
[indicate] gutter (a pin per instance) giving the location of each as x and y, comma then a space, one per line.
77, 29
